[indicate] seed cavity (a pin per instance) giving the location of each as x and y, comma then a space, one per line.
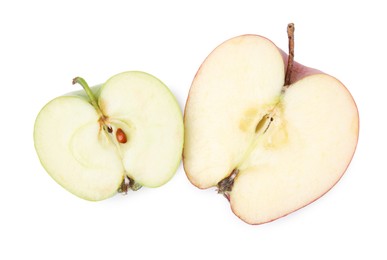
264, 123
261, 123
121, 136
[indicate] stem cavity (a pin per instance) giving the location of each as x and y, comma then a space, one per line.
291, 54
103, 119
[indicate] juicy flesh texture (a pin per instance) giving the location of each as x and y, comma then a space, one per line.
230, 93
152, 120
72, 150
88, 161
286, 163
295, 163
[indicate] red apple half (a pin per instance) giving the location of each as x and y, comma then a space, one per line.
270, 146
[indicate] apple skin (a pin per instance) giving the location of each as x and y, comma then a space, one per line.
299, 72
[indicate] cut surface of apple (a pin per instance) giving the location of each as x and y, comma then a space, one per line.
130, 132
269, 148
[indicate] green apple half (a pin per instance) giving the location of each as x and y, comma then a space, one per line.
270, 147
126, 133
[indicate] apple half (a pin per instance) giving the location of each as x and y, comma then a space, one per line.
121, 135
270, 145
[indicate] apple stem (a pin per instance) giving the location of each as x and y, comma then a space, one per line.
89, 93
291, 54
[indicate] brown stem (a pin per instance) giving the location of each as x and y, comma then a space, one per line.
291, 54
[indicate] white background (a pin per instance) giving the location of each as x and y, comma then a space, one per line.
44, 44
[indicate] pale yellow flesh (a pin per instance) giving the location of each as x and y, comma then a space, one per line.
229, 94
298, 161
151, 118
88, 161
73, 152
290, 161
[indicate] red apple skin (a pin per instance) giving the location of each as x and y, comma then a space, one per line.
299, 72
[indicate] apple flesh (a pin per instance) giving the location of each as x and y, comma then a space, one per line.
126, 133
269, 148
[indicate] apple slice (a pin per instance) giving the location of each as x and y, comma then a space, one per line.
124, 134
270, 145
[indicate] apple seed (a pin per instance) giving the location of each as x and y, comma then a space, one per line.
121, 136
262, 123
